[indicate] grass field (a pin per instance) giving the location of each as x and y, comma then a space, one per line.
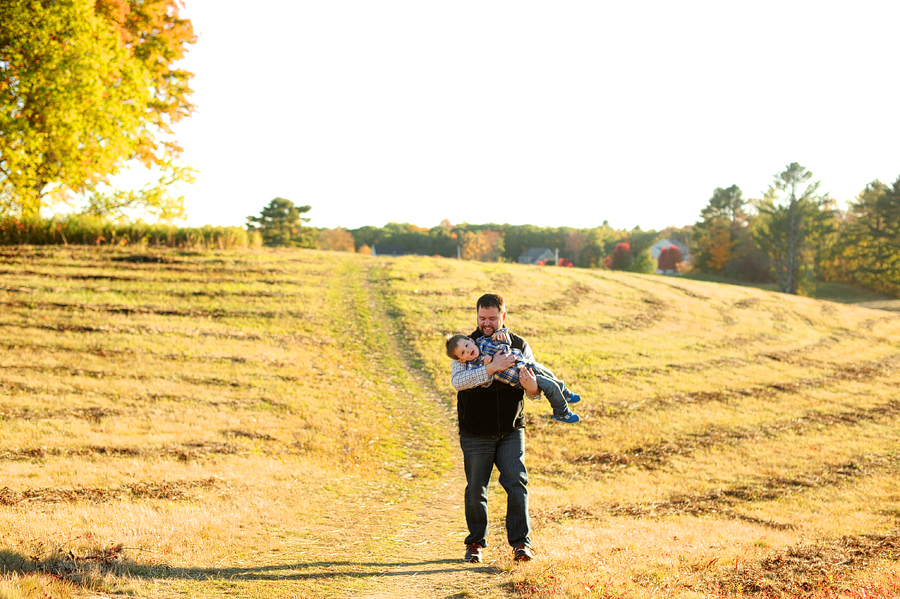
281, 424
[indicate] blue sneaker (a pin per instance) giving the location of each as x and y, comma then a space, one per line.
573, 398
570, 418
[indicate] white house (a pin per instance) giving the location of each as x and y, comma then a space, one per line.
535, 255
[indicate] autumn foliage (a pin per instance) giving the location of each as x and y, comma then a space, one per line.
486, 246
669, 258
87, 88
336, 240
621, 258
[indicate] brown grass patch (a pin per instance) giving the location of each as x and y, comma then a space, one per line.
180, 451
659, 454
176, 490
812, 567
722, 501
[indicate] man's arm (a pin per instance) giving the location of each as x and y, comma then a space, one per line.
467, 378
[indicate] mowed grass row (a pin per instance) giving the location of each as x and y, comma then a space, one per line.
735, 441
220, 423
203, 424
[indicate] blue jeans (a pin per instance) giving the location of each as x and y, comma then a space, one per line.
553, 389
480, 454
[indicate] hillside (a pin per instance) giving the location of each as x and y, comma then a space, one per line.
280, 424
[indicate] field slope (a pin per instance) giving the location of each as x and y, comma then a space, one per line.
280, 424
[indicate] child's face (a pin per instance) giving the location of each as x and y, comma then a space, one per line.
466, 351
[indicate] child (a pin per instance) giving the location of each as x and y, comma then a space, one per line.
475, 353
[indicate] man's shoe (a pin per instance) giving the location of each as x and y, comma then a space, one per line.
473, 553
570, 418
573, 398
523, 553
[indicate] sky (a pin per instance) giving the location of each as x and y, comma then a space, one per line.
567, 113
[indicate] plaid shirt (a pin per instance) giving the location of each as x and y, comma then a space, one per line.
467, 375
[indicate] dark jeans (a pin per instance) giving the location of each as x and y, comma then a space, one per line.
507, 452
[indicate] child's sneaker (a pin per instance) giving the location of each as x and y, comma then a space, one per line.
573, 398
570, 418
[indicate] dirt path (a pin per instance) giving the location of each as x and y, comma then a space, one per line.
427, 552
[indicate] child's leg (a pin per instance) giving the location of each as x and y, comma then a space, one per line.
541, 370
552, 390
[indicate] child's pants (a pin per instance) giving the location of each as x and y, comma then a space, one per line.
553, 389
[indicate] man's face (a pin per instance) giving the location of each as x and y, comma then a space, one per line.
466, 351
490, 320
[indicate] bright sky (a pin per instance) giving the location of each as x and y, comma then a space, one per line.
546, 113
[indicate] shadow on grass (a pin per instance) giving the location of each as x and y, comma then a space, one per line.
75, 568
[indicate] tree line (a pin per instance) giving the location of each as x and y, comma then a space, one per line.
281, 223
89, 88
797, 236
794, 235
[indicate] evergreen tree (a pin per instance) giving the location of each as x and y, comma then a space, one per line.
871, 238
720, 241
281, 224
793, 224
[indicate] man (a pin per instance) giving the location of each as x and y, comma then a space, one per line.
492, 432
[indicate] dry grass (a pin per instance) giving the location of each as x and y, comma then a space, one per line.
723, 426
280, 424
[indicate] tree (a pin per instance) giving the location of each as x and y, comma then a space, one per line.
486, 246
719, 248
86, 86
793, 222
726, 203
640, 242
281, 224
367, 235
336, 240
720, 239
669, 258
575, 244
621, 258
870, 240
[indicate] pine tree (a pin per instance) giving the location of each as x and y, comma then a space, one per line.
281, 224
792, 226
720, 239
871, 238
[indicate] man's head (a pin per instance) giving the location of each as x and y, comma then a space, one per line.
491, 313
462, 348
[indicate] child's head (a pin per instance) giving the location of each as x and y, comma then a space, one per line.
462, 348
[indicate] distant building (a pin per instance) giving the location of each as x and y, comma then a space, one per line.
657, 248
536, 255
387, 249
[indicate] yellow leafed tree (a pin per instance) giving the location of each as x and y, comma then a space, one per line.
336, 240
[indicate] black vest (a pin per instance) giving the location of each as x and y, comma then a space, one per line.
491, 411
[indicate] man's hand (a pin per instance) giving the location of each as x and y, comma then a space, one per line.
528, 381
500, 362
